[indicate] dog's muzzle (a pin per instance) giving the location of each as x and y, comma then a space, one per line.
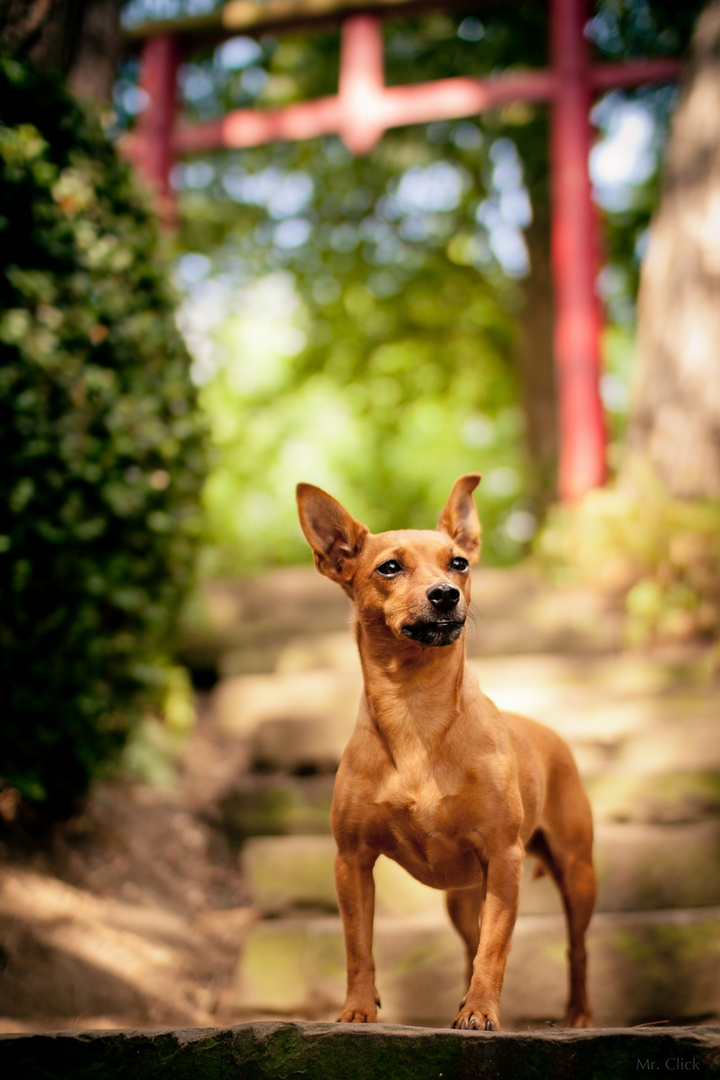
435, 631
447, 626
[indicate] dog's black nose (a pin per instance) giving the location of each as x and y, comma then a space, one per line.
443, 597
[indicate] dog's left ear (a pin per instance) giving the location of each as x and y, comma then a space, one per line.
460, 520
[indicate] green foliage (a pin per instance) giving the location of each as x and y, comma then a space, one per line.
102, 446
397, 373
660, 555
400, 373
394, 375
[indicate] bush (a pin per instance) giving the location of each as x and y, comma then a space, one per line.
102, 446
658, 555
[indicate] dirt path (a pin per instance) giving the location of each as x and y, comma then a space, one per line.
133, 914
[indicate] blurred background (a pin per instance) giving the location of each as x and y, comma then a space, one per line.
179, 681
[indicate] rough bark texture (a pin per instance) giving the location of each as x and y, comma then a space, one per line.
80, 38
675, 416
97, 52
534, 358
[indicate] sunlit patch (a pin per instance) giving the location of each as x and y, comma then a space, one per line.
237, 53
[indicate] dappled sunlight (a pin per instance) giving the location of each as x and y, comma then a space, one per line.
374, 323
106, 959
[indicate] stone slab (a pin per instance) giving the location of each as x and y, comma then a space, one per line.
631, 724
316, 1051
291, 873
276, 806
672, 797
646, 867
307, 653
640, 868
298, 746
519, 612
644, 967
243, 702
622, 675
238, 626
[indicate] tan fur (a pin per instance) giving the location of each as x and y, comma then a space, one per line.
434, 776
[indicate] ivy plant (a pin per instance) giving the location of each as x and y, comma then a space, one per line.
102, 446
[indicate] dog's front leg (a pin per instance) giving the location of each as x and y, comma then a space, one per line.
355, 888
480, 1008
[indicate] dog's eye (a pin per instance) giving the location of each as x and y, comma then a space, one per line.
389, 568
458, 563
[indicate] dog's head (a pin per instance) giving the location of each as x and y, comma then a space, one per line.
412, 583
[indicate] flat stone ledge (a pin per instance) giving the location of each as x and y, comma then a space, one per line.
321, 1051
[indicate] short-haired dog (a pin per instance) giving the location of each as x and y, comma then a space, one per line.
434, 775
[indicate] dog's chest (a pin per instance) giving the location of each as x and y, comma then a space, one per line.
429, 826
416, 791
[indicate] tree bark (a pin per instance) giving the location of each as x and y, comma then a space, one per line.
534, 356
97, 54
675, 409
79, 38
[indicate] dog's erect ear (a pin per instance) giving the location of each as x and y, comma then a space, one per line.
335, 537
460, 520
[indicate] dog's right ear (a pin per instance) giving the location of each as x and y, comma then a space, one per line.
335, 537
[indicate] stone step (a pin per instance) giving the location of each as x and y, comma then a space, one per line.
317, 1051
287, 874
238, 626
276, 805
242, 703
640, 868
242, 625
644, 967
282, 805
624, 711
673, 797
627, 675
520, 612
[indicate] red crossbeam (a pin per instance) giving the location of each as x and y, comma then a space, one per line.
364, 108
397, 106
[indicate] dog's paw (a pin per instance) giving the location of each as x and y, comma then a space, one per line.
579, 1019
357, 1016
476, 1018
355, 1012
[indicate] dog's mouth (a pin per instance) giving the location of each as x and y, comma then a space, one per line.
437, 632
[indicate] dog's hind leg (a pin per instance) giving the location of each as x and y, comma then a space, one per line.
464, 906
578, 887
572, 869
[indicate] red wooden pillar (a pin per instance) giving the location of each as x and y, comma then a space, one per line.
574, 258
152, 148
362, 83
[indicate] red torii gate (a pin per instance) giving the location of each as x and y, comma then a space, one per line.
364, 108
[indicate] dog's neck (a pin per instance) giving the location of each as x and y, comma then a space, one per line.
410, 688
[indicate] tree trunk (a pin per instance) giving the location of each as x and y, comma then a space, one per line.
535, 358
675, 412
80, 38
97, 53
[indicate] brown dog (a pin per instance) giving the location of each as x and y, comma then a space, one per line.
434, 776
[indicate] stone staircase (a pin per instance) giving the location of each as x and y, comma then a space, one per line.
644, 729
